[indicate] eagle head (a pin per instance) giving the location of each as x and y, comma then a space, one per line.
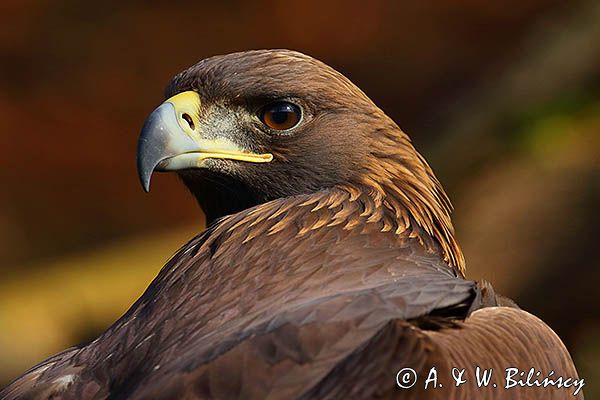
246, 128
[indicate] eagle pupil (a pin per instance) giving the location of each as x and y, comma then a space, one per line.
280, 116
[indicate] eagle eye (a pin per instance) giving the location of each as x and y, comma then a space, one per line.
280, 115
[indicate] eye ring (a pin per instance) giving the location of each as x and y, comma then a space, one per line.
280, 115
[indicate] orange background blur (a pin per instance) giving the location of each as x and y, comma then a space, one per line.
502, 98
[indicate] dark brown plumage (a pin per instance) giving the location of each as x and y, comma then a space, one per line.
323, 272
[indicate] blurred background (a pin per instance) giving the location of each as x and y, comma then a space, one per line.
503, 99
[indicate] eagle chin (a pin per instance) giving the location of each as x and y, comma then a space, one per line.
329, 268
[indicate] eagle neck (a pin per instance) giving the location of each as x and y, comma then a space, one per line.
399, 177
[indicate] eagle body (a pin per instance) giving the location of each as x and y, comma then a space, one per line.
312, 280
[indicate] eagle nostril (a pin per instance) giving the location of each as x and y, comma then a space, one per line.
188, 119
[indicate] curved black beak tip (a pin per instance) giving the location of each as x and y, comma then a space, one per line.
164, 135
153, 143
145, 166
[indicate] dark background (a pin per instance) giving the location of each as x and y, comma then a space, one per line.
502, 98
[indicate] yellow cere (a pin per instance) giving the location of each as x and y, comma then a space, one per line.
187, 106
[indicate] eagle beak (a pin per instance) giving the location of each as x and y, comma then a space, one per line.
171, 140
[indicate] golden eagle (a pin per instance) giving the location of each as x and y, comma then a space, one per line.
329, 268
